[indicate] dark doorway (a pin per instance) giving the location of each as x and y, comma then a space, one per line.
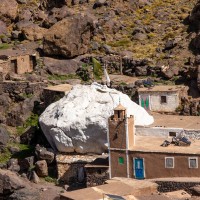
14, 66
33, 62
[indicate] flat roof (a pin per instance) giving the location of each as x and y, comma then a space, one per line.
16, 52
68, 159
162, 88
60, 88
117, 186
176, 121
152, 144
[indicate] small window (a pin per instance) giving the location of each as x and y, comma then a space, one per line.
172, 134
193, 162
121, 160
169, 162
163, 99
118, 113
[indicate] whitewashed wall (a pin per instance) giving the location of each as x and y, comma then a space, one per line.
155, 101
156, 131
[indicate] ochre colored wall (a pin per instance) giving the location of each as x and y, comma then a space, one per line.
5, 66
155, 165
117, 134
23, 64
130, 132
118, 170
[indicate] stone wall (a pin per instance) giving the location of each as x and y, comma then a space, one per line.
68, 173
21, 86
18, 100
96, 176
169, 186
51, 96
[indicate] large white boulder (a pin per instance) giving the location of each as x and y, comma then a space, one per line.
79, 121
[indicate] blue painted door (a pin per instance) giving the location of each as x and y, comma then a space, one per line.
139, 168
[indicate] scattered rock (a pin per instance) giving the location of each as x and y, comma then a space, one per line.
35, 177
195, 190
61, 67
33, 32
27, 193
140, 36
4, 137
14, 150
107, 49
8, 8
141, 70
69, 37
10, 182
41, 168
15, 34
13, 165
100, 3
3, 28
43, 154
26, 164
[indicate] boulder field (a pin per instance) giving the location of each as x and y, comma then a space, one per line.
79, 121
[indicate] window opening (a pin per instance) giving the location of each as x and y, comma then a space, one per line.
121, 160
163, 99
172, 134
169, 162
193, 162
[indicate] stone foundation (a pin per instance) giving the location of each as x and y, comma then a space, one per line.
169, 186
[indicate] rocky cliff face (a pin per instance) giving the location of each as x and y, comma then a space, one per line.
79, 121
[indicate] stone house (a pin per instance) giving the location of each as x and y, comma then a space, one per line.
54, 93
88, 170
161, 98
17, 61
139, 154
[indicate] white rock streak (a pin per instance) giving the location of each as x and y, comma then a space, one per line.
78, 122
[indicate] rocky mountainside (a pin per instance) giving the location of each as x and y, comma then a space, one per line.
154, 40
161, 32
143, 35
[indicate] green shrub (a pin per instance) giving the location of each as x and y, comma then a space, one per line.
31, 121
5, 156
97, 69
50, 179
4, 46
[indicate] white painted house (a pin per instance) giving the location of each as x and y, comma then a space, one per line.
161, 98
